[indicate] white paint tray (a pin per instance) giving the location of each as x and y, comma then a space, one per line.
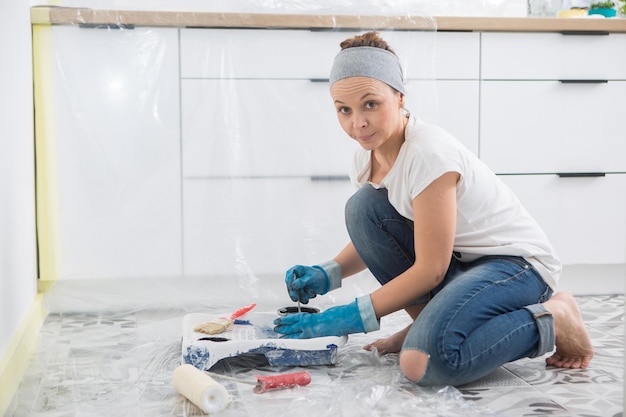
252, 343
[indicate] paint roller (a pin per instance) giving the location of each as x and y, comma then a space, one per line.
202, 390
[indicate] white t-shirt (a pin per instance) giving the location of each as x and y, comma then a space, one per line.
490, 218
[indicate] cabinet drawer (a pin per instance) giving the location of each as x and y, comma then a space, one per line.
549, 127
257, 53
451, 104
304, 54
259, 226
553, 56
584, 218
261, 128
457, 56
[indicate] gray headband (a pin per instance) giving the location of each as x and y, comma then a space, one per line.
368, 61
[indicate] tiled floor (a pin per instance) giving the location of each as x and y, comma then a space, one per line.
90, 364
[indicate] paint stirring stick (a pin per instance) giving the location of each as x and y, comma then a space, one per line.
295, 277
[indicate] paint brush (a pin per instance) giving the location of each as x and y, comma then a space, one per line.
220, 325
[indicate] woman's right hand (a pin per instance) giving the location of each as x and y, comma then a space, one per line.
306, 282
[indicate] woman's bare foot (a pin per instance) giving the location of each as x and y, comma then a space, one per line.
391, 344
573, 345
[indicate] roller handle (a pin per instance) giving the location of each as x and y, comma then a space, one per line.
272, 382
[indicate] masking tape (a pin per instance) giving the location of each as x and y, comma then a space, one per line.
45, 153
200, 388
15, 360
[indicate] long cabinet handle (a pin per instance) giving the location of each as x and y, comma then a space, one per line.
584, 33
330, 178
581, 174
583, 81
319, 80
105, 26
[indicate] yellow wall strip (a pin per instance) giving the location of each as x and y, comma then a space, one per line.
45, 153
17, 357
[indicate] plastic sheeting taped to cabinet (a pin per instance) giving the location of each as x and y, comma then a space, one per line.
185, 152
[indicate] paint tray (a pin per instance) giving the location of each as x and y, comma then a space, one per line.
252, 343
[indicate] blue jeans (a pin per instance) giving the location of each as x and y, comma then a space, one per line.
484, 314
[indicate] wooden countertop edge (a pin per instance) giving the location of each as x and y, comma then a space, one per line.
62, 15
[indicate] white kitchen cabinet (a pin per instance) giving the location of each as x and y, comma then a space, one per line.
112, 148
212, 143
550, 120
234, 128
584, 217
265, 161
547, 126
257, 53
457, 56
445, 91
307, 54
252, 226
553, 56
451, 104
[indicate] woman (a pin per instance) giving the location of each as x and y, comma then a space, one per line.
448, 241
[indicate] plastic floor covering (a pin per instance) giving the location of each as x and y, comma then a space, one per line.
114, 364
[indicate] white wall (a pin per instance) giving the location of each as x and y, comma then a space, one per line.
18, 267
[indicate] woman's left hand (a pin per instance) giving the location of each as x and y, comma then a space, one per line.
336, 321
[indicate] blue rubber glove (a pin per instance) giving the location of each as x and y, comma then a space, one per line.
356, 317
306, 282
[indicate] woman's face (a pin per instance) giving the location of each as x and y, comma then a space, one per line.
368, 110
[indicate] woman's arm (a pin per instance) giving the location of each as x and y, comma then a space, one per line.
434, 212
350, 261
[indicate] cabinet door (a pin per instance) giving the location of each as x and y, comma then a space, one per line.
584, 218
258, 53
239, 128
456, 56
552, 56
551, 127
246, 227
264, 54
451, 104
114, 150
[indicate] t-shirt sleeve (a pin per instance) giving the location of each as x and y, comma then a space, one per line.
424, 166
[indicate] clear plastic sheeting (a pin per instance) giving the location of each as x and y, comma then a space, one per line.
107, 364
500, 8
179, 153
184, 169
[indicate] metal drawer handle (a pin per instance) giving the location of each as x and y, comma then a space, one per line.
580, 81
319, 80
581, 174
584, 33
330, 178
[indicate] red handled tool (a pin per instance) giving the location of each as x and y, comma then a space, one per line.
271, 382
